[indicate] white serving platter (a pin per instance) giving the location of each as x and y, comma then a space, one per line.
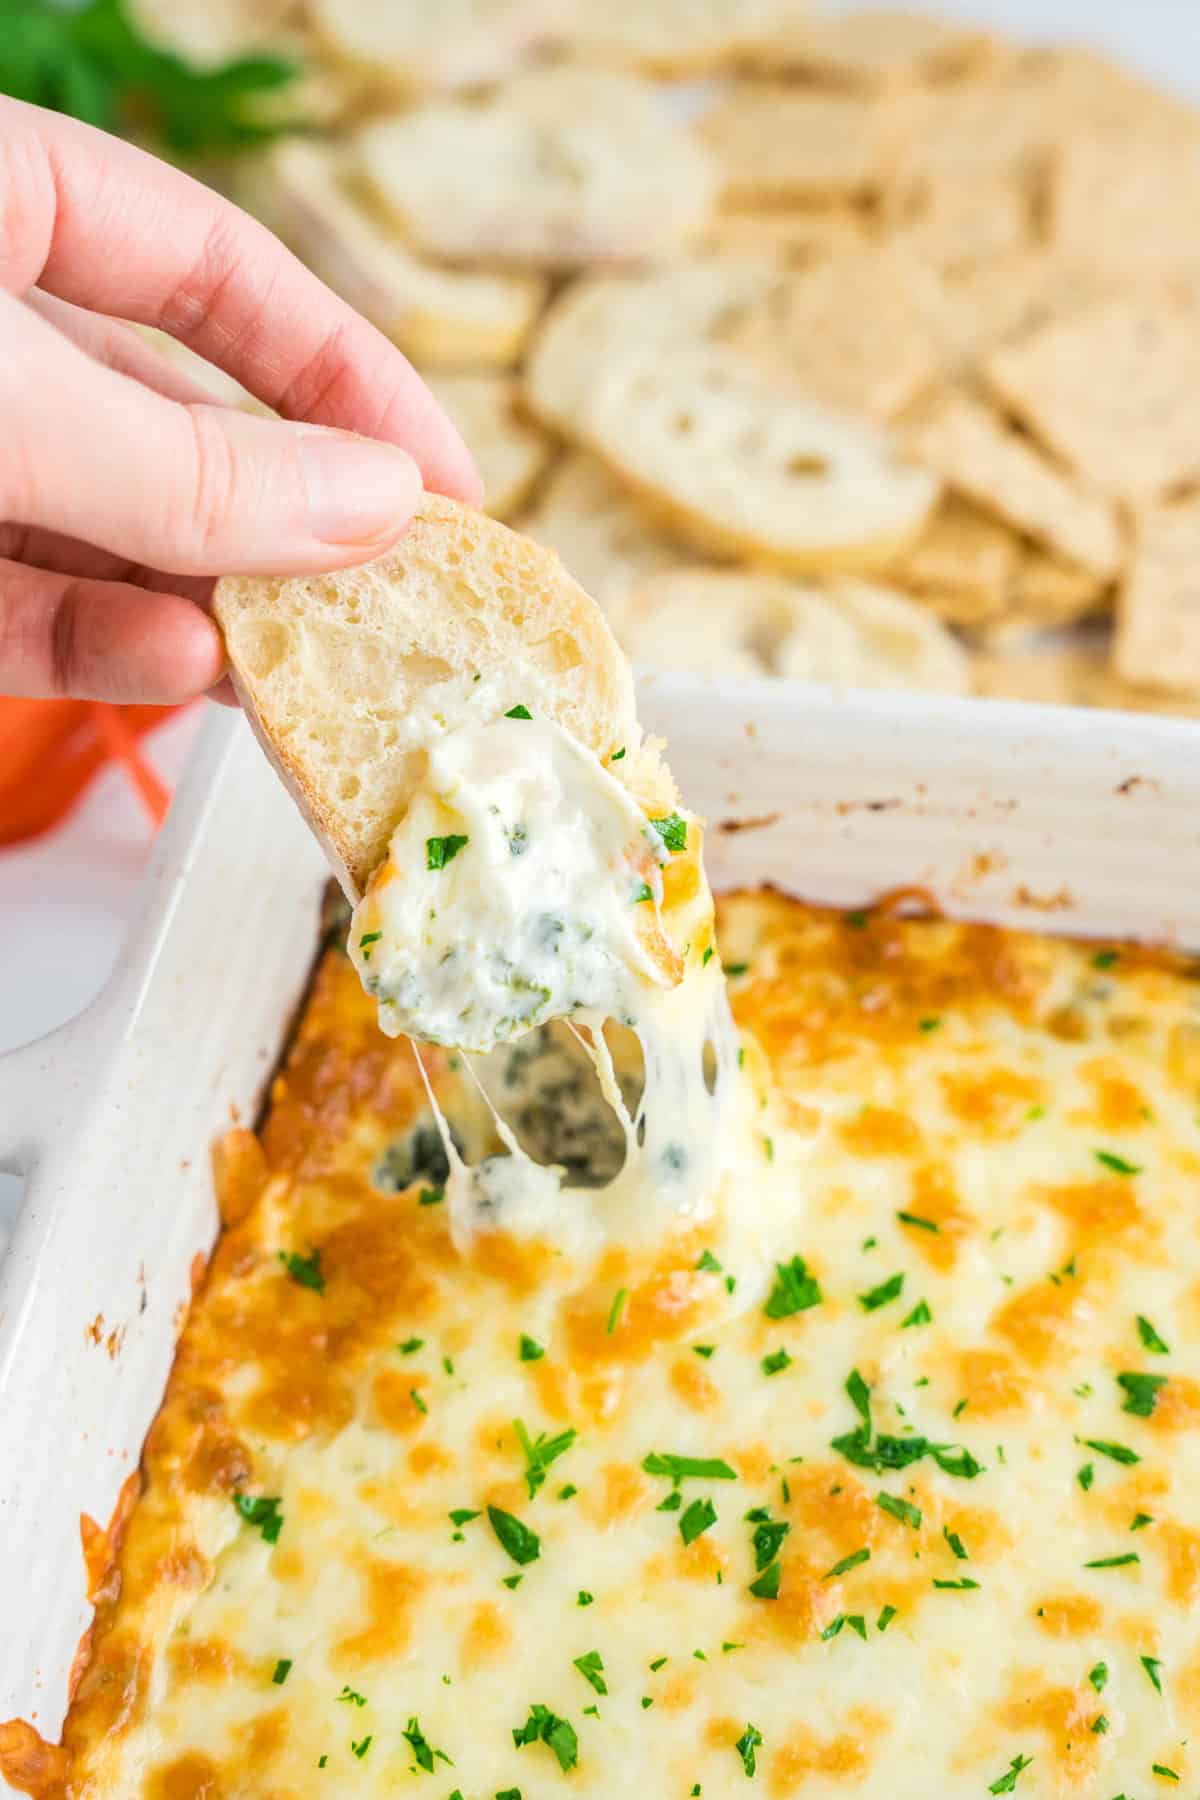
1063, 821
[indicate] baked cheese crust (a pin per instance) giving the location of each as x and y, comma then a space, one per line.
921, 1520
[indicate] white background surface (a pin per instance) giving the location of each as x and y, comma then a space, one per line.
65, 901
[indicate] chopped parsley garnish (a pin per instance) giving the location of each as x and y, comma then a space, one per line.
617, 754
746, 1745
907, 1218
462, 1515
1118, 1453
642, 893
776, 1363
366, 940
583, 1598
414, 1395
707, 957
767, 1585
431, 1196
767, 1540
1141, 1393
546, 1727
679, 1468
541, 1451
523, 1545
1110, 1160
511, 1582
261, 1510
1104, 959
1113, 1562
928, 1024
620, 1300
1162, 1769
885, 1618
955, 1543
423, 1751
704, 1350
305, 1271
855, 1621
1008, 1780
1152, 1666
900, 1509
350, 1697
568, 1492
733, 970
591, 1667
881, 1295
672, 1503
795, 1290
1150, 1338
672, 830
531, 1351
441, 850
410, 1346
963, 1583
1086, 1476
518, 712
283, 1669
1099, 1725
866, 1450
360, 1749
847, 1563
1098, 1676
1141, 1520
920, 1315
697, 1519
660, 1662
709, 1262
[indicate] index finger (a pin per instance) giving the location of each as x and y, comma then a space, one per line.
100, 223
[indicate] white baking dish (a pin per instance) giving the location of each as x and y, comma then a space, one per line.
1064, 821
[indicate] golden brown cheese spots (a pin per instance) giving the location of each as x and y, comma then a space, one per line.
1044, 1321
1118, 1103
206, 1660
430, 1459
551, 1388
665, 1303
881, 1131
486, 1638
262, 1739
239, 1175
990, 1383
1069, 1615
992, 1103
679, 1690
1106, 1212
29, 1764
1177, 1405
191, 1777
1063, 1715
1180, 1546
184, 1566
398, 1400
844, 1756
1183, 1058
935, 1198
620, 1491
694, 1385
391, 1593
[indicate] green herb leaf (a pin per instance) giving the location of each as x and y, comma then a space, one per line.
441, 850
885, 1618
855, 1621
1162, 1769
617, 754
616, 1309
1098, 1676
672, 830
642, 893
1118, 1453
960, 1585
530, 1351
920, 1315
767, 1585
283, 1669
1113, 1562
523, 1545
1008, 1781
518, 712
544, 1726
1152, 1666
540, 1452
1141, 1520
261, 1510
698, 1517
583, 1598
704, 1350
1141, 1393
907, 1218
709, 1262
1104, 959
462, 1515
746, 1745
900, 1509
351, 1697
591, 1667
1086, 1476
363, 1745
880, 1296
776, 1363
1150, 1337
955, 1543
680, 1468
431, 1196
795, 1290
767, 1541
847, 1563
423, 1751
1110, 1160
305, 1271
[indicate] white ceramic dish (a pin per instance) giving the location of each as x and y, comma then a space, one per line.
1065, 821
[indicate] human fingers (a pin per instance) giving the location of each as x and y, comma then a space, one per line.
118, 347
98, 222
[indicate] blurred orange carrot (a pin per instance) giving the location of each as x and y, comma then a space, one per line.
50, 749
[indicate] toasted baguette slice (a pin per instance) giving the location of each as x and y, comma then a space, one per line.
404, 45
347, 678
442, 318
511, 453
560, 169
739, 463
596, 526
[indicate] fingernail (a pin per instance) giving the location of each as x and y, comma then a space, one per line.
358, 490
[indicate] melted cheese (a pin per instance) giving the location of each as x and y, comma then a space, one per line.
525, 884
990, 1148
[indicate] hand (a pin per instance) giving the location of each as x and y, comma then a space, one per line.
124, 489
